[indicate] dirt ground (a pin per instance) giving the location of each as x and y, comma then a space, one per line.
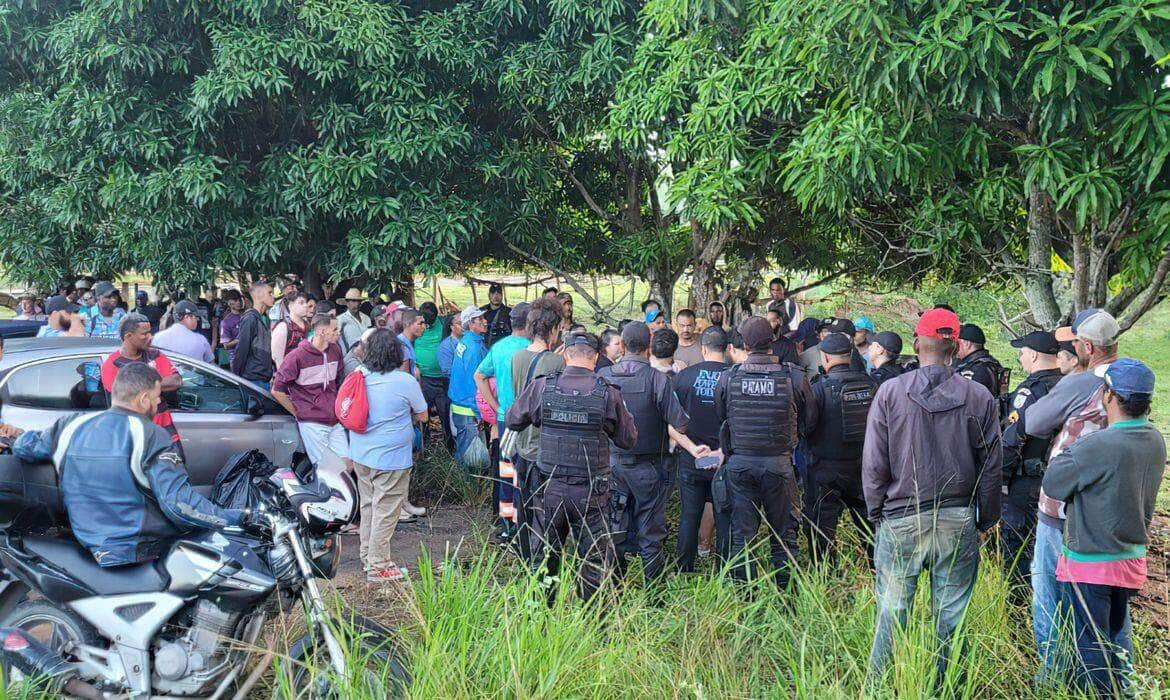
1153, 602
446, 531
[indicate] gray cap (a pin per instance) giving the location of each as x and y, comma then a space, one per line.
103, 288
185, 308
519, 313
1099, 328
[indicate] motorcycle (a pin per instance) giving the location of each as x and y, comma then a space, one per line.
187, 624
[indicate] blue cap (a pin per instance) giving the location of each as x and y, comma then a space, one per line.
864, 324
1082, 315
651, 315
1130, 378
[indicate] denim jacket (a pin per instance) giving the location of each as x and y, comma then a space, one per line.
125, 487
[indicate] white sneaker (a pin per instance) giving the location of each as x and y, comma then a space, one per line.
413, 509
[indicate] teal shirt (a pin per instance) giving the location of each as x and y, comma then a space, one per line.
498, 363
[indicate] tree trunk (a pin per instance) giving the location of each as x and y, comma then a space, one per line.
1037, 282
661, 288
404, 289
706, 247
1081, 273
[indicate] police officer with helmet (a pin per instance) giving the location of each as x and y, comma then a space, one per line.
641, 480
764, 406
578, 414
1024, 456
842, 396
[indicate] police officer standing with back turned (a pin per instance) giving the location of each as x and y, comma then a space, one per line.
833, 478
764, 407
578, 413
1023, 455
640, 482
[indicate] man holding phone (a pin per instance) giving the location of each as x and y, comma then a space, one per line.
695, 387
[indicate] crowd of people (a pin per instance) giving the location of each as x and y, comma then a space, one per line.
781, 421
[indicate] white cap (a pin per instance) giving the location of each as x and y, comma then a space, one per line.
470, 314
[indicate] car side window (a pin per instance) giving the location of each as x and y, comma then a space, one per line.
204, 392
68, 383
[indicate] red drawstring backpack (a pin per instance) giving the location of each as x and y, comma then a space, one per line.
352, 406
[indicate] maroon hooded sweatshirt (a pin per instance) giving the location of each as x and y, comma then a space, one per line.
310, 378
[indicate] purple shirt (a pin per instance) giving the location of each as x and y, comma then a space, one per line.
229, 330
178, 339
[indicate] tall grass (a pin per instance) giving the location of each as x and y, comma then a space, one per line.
488, 628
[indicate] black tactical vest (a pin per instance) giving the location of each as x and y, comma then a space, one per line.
761, 419
1036, 449
841, 427
636, 382
572, 439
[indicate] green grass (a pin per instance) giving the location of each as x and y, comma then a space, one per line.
484, 629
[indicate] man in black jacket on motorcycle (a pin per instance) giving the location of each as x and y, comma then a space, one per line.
124, 485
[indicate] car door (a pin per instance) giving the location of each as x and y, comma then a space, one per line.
35, 394
212, 414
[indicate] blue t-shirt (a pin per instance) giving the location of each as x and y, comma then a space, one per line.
394, 399
407, 352
498, 363
461, 390
446, 354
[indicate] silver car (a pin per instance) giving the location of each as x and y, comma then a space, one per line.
217, 413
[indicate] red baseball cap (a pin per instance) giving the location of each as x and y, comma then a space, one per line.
938, 323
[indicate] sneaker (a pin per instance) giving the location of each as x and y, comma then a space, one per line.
390, 574
405, 517
413, 509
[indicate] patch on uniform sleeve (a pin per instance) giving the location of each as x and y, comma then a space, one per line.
1013, 416
1021, 398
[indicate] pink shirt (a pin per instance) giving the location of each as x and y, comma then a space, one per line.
1123, 573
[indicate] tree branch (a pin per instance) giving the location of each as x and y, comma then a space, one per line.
1155, 292
601, 313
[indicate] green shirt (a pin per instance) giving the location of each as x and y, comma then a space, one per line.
426, 350
498, 363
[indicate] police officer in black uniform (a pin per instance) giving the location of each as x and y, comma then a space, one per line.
1024, 455
578, 413
977, 364
641, 480
764, 406
883, 356
833, 477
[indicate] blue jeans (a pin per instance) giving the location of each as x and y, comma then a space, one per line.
1049, 609
943, 542
466, 429
1101, 627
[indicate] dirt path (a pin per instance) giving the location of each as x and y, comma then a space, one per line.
446, 531
1153, 603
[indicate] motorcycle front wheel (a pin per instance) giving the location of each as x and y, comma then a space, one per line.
371, 660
